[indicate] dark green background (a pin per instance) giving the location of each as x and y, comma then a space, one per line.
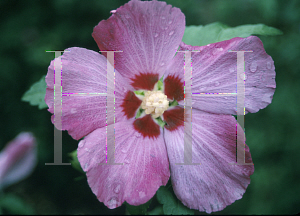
28, 28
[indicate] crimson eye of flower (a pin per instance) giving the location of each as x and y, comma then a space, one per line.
147, 130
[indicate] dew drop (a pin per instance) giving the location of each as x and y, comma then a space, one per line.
113, 11
152, 155
81, 143
124, 89
112, 203
126, 161
73, 110
127, 16
253, 67
170, 22
87, 150
242, 76
231, 70
137, 134
86, 166
163, 17
117, 189
217, 83
156, 35
162, 64
269, 65
124, 151
202, 89
225, 98
171, 32
142, 194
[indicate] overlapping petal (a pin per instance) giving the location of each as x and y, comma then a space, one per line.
17, 159
84, 71
145, 169
148, 33
214, 70
215, 183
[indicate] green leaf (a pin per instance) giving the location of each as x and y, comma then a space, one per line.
139, 92
138, 210
74, 161
139, 113
171, 205
173, 103
157, 211
216, 32
36, 94
160, 122
15, 205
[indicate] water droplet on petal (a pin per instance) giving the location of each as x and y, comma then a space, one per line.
73, 110
124, 151
127, 16
217, 83
156, 35
253, 67
113, 11
163, 17
202, 89
126, 161
225, 98
112, 203
152, 155
87, 150
171, 32
85, 166
137, 134
142, 194
162, 64
232, 70
170, 22
81, 143
242, 76
124, 89
269, 65
117, 189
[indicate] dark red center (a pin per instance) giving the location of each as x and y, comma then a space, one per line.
173, 88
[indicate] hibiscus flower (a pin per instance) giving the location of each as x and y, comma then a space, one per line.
149, 109
17, 159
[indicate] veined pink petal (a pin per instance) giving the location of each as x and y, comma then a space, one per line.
84, 71
215, 183
148, 33
17, 159
214, 70
145, 169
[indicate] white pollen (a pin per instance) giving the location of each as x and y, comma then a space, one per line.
155, 103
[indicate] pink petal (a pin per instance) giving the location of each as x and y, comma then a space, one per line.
145, 169
215, 183
214, 70
148, 33
84, 71
17, 159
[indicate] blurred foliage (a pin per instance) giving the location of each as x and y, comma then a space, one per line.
29, 28
216, 32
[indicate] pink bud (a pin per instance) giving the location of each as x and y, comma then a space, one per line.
17, 159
